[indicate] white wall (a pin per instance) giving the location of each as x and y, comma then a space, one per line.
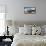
15, 10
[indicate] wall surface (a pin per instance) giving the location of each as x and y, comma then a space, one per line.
15, 9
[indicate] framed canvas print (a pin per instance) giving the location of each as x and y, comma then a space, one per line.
29, 10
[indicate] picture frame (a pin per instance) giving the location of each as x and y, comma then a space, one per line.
29, 10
